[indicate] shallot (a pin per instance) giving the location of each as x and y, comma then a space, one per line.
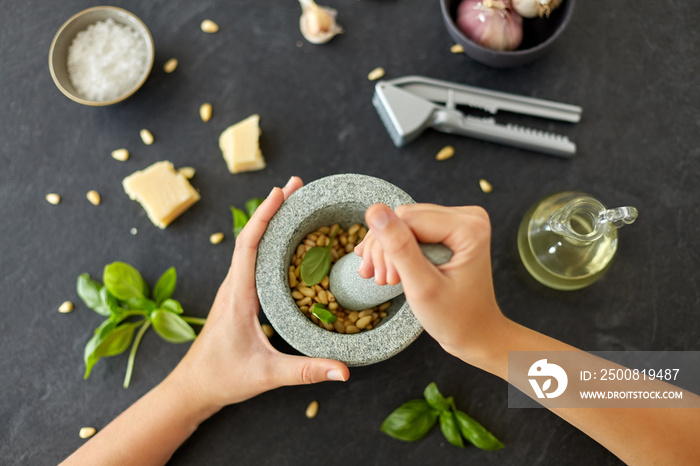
533, 8
490, 23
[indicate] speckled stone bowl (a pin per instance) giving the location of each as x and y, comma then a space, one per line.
341, 199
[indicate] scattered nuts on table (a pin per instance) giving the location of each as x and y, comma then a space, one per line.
205, 112
170, 65
268, 330
376, 73
485, 186
216, 238
94, 197
66, 307
146, 137
457, 48
445, 153
120, 154
187, 172
87, 432
312, 409
209, 26
53, 198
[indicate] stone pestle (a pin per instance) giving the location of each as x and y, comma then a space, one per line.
356, 293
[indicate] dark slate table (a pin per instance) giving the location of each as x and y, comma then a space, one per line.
632, 65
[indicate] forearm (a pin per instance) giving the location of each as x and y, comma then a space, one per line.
149, 431
635, 435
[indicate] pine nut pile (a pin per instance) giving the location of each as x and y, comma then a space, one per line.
305, 296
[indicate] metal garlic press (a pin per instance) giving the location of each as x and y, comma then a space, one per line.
411, 104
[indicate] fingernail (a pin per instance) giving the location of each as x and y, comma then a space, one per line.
273, 190
379, 220
291, 178
335, 374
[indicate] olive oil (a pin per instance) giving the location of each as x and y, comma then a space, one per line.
567, 241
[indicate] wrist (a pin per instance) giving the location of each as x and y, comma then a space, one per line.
185, 387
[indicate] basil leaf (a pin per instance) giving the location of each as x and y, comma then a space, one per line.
434, 398
124, 281
165, 286
323, 314
315, 265
475, 433
410, 421
108, 303
172, 306
108, 340
239, 220
171, 327
89, 291
142, 303
252, 205
449, 429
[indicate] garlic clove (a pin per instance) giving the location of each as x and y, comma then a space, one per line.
317, 23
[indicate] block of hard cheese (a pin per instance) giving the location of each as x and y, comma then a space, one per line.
163, 192
240, 146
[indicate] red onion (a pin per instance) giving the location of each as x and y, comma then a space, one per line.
490, 23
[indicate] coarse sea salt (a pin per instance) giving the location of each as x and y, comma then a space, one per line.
106, 61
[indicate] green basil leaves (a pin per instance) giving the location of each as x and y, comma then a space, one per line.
240, 217
412, 420
323, 314
123, 298
317, 263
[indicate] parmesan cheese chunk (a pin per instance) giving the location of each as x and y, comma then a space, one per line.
240, 147
164, 193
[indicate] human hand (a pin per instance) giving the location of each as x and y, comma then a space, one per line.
454, 302
232, 360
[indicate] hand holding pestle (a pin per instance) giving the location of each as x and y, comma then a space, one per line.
356, 293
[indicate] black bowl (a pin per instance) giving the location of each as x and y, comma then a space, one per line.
539, 34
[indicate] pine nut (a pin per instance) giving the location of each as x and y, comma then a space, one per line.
310, 243
350, 329
312, 410
383, 314
364, 313
353, 316
324, 282
349, 247
216, 238
324, 230
376, 73
53, 198
457, 48
334, 254
312, 236
205, 112
338, 326
209, 26
363, 322
94, 197
292, 279
86, 432
187, 172
354, 229
170, 65
485, 186
297, 295
321, 241
445, 153
146, 137
323, 297
331, 298
66, 307
300, 250
327, 326
307, 291
362, 233
267, 330
304, 301
385, 306
120, 154
332, 306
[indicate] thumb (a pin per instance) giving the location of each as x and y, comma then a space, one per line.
401, 247
301, 370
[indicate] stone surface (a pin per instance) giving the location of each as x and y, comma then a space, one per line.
341, 199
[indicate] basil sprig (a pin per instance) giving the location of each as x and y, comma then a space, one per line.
241, 217
412, 420
124, 300
317, 262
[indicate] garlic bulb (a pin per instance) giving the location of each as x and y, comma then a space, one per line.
533, 8
490, 24
317, 23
